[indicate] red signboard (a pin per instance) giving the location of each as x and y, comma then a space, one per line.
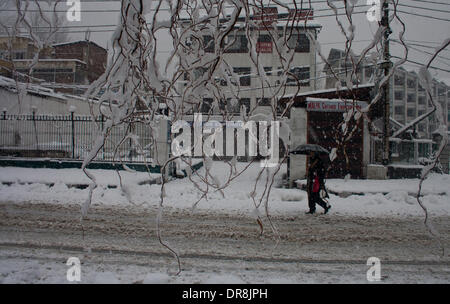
264, 47
267, 15
332, 106
301, 14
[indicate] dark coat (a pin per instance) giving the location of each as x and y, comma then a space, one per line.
316, 168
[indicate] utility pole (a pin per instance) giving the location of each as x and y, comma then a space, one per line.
386, 91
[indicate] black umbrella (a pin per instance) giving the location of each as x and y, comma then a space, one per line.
307, 148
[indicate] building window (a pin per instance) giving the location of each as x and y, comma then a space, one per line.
263, 102
399, 110
411, 83
243, 80
4, 55
399, 95
208, 44
411, 112
399, 79
206, 105
411, 98
236, 44
268, 71
298, 74
422, 100
223, 104
199, 72
279, 71
19, 55
246, 103
423, 148
264, 44
422, 128
233, 106
299, 42
368, 73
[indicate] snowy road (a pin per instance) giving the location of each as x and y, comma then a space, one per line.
120, 245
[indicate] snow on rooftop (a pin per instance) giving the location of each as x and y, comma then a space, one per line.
361, 86
77, 41
52, 60
10, 84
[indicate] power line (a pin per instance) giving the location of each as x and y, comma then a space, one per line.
425, 16
434, 2
421, 51
162, 9
424, 8
421, 64
297, 23
422, 41
426, 46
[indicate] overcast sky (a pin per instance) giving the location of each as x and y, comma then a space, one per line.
421, 30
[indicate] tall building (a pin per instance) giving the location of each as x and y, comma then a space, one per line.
409, 98
253, 93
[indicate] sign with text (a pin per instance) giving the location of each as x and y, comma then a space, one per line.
333, 106
266, 16
301, 14
264, 47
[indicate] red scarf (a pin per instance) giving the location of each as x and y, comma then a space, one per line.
316, 185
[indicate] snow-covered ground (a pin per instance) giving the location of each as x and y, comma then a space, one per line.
54, 271
382, 198
219, 242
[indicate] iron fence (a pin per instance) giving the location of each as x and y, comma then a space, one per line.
72, 137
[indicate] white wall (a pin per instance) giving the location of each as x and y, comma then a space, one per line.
9, 101
366, 149
298, 124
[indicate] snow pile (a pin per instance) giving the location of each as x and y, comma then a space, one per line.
29, 274
156, 278
363, 197
106, 277
223, 279
434, 184
70, 176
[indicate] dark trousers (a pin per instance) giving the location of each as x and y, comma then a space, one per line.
314, 198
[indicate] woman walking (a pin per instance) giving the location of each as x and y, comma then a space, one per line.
315, 183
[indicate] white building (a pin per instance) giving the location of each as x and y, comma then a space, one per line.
409, 99
295, 72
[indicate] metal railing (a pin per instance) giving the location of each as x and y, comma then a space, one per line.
72, 137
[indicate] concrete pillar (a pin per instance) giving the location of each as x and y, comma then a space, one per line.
161, 148
366, 149
297, 163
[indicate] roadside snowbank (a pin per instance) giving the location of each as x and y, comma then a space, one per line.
381, 198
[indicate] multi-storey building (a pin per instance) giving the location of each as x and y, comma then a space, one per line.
20, 47
254, 94
409, 98
67, 67
93, 55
